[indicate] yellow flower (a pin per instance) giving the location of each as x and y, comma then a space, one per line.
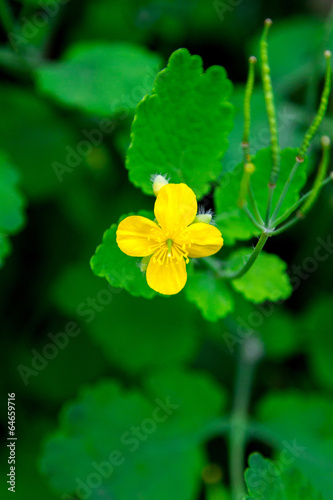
171, 240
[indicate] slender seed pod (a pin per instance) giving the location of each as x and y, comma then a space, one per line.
247, 105
322, 107
321, 173
269, 101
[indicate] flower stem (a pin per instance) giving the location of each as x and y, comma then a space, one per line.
325, 140
271, 188
221, 270
254, 205
250, 352
287, 225
253, 257
301, 200
252, 218
285, 190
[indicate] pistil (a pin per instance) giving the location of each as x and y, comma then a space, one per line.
169, 243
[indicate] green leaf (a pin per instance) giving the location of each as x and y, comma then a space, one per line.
181, 128
210, 295
301, 429
134, 334
112, 434
266, 280
267, 480
100, 78
11, 205
34, 136
119, 269
231, 220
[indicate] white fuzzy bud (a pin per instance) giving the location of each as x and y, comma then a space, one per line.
206, 218
158, 181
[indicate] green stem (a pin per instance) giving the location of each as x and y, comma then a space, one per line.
300, 201
285, 190
254, 206
6, 17
216, 265
323, 166
287, 225
250, 352
271, 188
252, 218
253, 257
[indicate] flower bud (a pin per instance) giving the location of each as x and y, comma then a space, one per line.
206, 218
158, 181
144, 263
249, 168
202, 216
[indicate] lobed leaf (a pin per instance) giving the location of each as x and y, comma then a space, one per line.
100, 78
266, 280
147, 432
301, 429
210, 295
119, 269
268, 480
181, 128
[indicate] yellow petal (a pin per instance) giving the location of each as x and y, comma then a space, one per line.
138, 236
175, 208
204, 240
166, 278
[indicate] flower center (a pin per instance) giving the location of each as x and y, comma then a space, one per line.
169, 243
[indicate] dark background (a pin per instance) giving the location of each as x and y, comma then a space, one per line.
47, 276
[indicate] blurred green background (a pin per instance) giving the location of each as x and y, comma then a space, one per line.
68, 71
